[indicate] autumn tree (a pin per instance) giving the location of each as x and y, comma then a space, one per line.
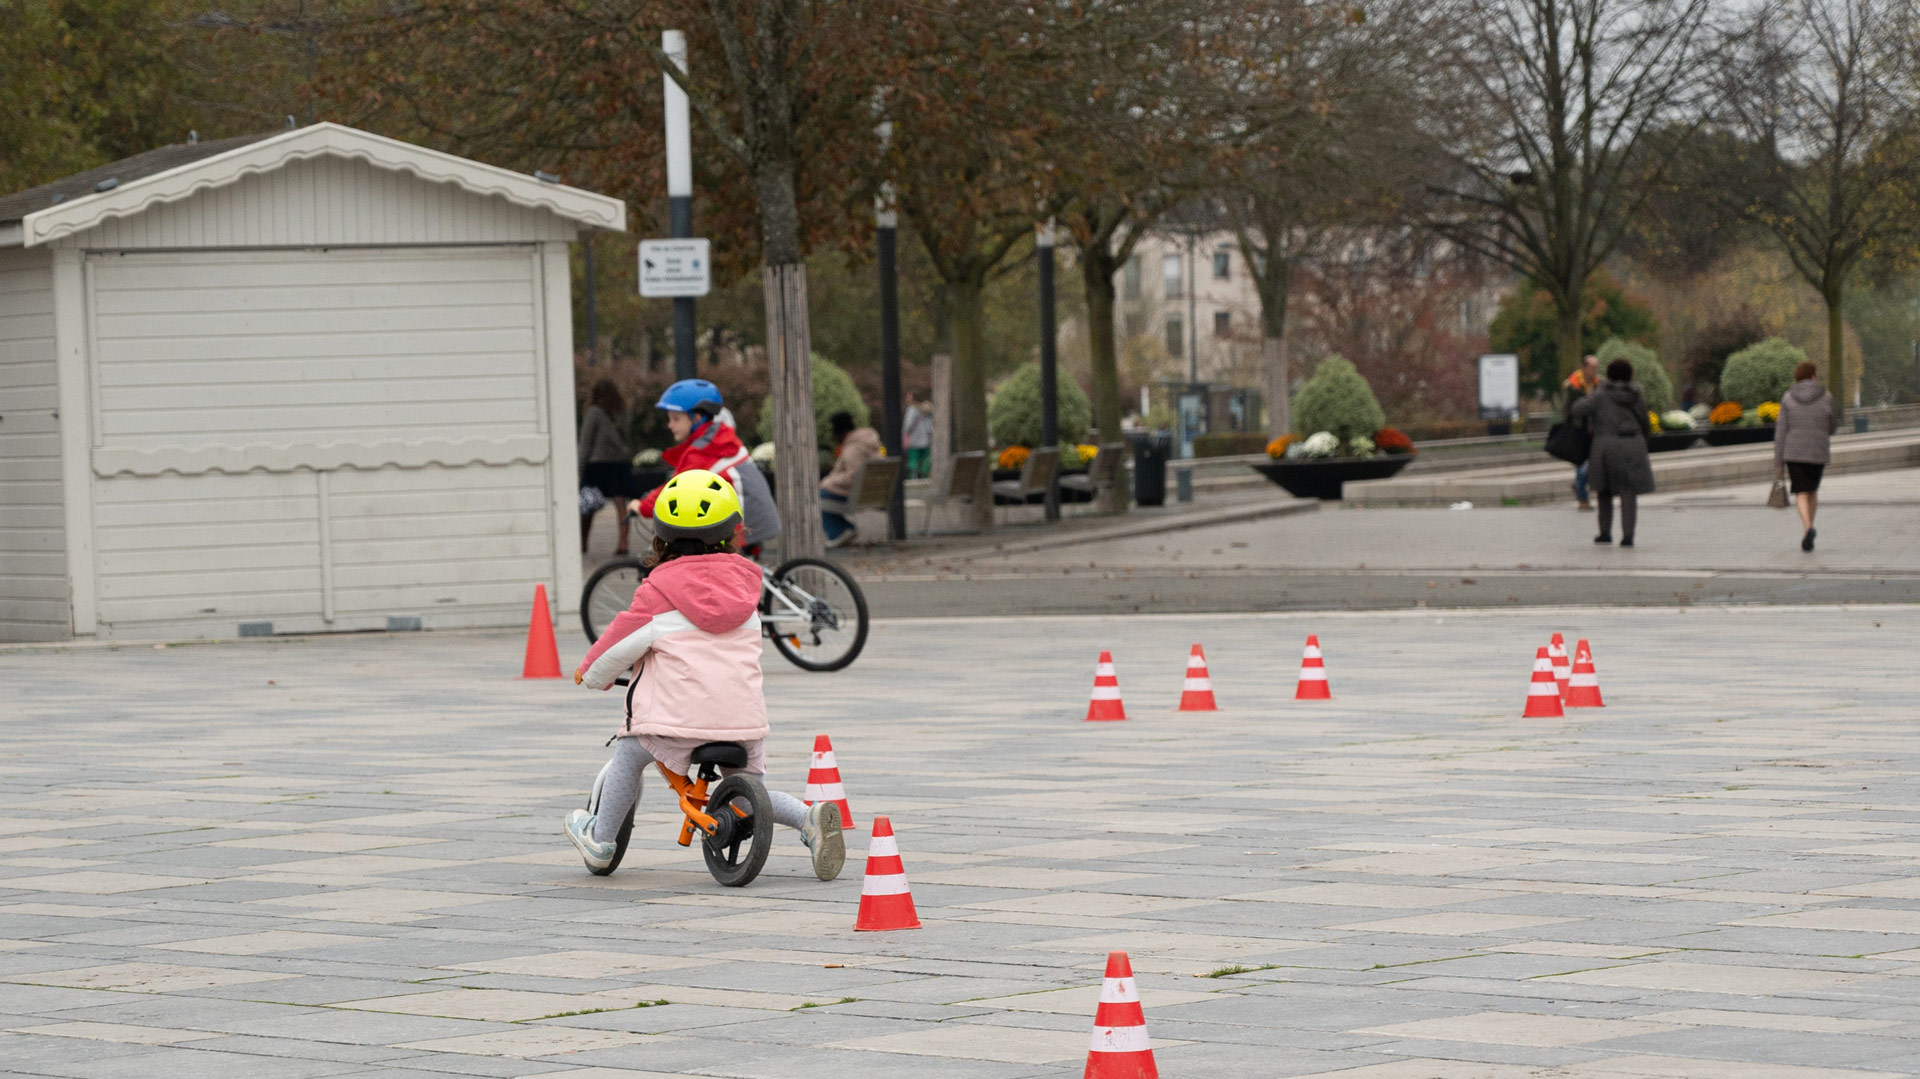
780, 90
1821, 95
1327, 136
1556, 158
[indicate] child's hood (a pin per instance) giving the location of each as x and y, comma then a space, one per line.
716, 592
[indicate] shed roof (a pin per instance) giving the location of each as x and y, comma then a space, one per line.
171, 173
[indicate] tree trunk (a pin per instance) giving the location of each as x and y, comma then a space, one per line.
1276, 379
1097, 268
1567, 337
1837, 349
790, 378
1096, 274
967, 307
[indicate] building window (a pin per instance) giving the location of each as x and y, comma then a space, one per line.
1130, 279
1170, 277
1176, 337
1222, 324
1222, 263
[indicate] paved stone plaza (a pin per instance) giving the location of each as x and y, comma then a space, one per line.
341, 857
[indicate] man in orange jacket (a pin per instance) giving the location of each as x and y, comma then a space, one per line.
1579, 384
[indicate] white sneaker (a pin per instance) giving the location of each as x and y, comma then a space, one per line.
843, 539
596, 854
822, 836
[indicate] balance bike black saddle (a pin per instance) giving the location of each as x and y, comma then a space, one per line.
721, 754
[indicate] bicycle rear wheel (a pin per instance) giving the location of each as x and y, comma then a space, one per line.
609, 591
816, 614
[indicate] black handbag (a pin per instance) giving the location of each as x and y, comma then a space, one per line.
1569, 441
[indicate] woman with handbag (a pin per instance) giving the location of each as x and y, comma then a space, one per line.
1803, 442
1619, 464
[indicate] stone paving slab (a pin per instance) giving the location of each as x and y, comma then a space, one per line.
340, 857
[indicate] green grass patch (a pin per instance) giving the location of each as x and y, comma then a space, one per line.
1223, 972
825, 1003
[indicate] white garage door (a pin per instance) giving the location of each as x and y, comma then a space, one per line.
318, 439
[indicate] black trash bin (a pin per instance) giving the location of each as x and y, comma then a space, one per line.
1150, 453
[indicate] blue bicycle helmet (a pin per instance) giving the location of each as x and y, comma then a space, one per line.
692, 395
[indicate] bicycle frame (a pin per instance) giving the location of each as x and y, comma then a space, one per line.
786, 609
693, 801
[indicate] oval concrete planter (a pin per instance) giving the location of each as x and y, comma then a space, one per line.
1324, 478
1668, 441
1738, 436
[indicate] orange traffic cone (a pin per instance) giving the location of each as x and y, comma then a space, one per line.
1106, 691
1543, 694
885, 902
1583, 691
1196, 693
823, 780
1313, 674
1562, 671
1120, 1049
543, 656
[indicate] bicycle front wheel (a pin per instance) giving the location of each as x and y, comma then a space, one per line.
609, 591
816, 614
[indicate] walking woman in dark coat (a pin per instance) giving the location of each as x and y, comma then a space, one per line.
1618, 465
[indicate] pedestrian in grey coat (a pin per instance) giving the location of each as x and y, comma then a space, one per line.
1618, 463
1803, 442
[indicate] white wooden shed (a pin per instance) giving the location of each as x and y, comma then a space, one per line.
313, 380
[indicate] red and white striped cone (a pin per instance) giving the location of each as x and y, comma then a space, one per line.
1313, 674
1106, 691
1119, 1049
1562, 669
1584, 689
823, 780
885, 901
1543, 693
1196, 693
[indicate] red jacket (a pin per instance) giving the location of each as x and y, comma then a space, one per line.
712, 446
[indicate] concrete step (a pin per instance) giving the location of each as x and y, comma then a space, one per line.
1689, 469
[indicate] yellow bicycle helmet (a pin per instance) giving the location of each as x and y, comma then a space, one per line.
696, 504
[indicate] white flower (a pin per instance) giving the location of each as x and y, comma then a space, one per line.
763, 455
647, 459
1360, 446
1319, 444
1676, 420
1699, 414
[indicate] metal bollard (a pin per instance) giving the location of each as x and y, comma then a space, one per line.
1183, 484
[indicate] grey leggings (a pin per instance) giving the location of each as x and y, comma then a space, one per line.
621, 792
1629, 510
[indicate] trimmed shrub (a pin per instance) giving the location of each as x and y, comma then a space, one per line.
1013, 416
833, 391
1337, 400
1760, 373
1656, 386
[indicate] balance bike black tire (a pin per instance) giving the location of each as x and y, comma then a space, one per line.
619, 847
741, 860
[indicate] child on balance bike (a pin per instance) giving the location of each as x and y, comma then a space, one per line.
692, 640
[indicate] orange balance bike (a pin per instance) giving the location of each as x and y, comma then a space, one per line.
733, 818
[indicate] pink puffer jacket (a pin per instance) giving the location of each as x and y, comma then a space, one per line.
694, 630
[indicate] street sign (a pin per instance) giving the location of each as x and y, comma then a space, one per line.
1500, 387
670, 269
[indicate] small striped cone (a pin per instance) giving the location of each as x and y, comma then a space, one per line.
1313, 674
1119, 1049
885, 902
1196, 693
823, 780
1106, 691
1583, 691
1543, 693
1562, 670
